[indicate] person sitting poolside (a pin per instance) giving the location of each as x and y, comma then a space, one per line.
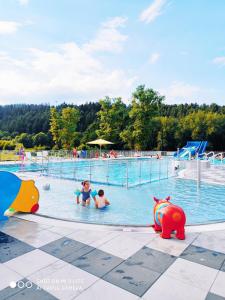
86, 194
113, 154
101, 201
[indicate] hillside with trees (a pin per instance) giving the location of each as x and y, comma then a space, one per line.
146, 123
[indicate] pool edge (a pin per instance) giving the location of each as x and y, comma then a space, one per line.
51, 221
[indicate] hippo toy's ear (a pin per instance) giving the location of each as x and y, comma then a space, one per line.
155, 199
168, 198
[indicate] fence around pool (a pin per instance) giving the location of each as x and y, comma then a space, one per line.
123, 172
131, 168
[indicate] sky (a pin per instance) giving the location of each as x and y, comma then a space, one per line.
74, 51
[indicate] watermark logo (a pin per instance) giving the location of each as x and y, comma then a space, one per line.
50, 284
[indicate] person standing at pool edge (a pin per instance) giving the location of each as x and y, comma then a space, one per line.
86, 194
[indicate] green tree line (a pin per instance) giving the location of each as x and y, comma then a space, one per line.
146, 123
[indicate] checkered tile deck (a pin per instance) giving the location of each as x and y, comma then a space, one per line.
41, 262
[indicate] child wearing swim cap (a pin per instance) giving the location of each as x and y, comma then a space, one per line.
101, 201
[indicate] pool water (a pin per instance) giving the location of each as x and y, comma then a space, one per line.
134, 206
120, 172
217, 162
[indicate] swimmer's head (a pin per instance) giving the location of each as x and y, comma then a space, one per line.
85, 183
101, 193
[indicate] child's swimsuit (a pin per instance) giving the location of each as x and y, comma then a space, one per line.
85, 195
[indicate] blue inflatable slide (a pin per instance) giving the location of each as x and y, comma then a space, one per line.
192, 149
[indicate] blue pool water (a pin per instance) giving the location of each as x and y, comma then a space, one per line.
123, 172
218, 162
132, 206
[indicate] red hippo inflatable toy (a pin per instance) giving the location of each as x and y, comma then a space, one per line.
168, 218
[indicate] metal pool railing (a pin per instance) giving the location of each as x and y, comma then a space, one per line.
130, 169
123, 172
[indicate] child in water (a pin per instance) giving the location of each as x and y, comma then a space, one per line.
101, 201
86, 194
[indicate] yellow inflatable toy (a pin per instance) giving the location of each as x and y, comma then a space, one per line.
17, 195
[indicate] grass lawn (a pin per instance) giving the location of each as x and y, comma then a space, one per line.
8, 156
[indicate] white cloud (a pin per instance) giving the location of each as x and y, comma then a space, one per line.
68, 73
9, 27
108, 38
154, 57
152, 11
181, 89
220, 60
179, 92
23, 2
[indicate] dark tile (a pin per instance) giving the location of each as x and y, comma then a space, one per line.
223, 267
212, 296
151, 259
204, 256
8, 292
97, 262
31, 291
11, 248
66, 249
132, 278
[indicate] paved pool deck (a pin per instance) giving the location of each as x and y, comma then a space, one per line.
44, 258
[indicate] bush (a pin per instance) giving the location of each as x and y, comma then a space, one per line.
7, 145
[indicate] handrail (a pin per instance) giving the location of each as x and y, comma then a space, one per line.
130, 173
209, 153
219, 154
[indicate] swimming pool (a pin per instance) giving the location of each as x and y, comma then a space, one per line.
202, 204
120, 172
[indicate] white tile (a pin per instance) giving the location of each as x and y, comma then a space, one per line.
167, 288
30, 262
61, 230
144, 238
218, 286
91, 237
17, 228
103, 290
192, 273
40, 238
63, 280
122, 246
212, 240
7, 276
171, 246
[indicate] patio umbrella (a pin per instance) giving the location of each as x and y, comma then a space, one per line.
100, 142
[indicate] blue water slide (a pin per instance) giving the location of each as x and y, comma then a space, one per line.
202, 148
192, 147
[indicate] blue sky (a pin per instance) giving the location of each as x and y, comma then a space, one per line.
82, 50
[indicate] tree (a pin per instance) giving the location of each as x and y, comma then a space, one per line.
69, 119
41, 139
55, 126
112, 118
166, 134
25, 139
145, 106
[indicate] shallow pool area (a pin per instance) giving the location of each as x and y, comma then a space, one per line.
202, 205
